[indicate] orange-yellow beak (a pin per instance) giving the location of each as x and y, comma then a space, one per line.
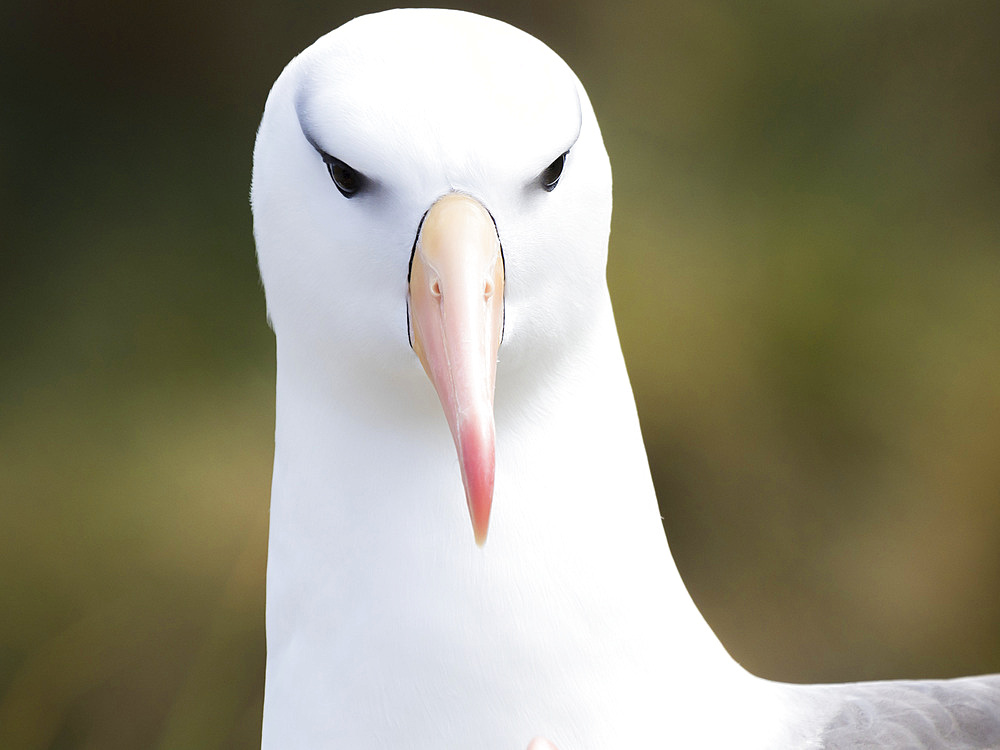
456, 321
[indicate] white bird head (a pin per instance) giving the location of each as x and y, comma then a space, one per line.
431, 194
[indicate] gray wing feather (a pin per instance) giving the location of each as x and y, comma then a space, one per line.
961, 714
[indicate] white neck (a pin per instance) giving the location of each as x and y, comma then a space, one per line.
388, 627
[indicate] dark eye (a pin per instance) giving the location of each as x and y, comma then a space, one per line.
550, 176
347, 179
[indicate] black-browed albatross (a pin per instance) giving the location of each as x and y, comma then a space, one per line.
432, 202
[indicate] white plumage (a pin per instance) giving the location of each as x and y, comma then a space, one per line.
387, 626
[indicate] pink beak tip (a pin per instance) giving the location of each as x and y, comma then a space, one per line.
481, 537
480, 499
478, 458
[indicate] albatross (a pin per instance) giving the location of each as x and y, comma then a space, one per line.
465, 549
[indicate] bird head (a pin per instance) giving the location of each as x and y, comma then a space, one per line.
431, 195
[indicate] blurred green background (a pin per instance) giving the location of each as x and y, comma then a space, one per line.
806, 266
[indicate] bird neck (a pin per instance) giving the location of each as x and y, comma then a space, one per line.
575, 579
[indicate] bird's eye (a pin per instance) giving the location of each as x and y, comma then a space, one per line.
550, 176
347, 179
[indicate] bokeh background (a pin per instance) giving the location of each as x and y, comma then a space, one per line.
806, 266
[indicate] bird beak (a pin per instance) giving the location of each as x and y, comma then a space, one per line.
456, 322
